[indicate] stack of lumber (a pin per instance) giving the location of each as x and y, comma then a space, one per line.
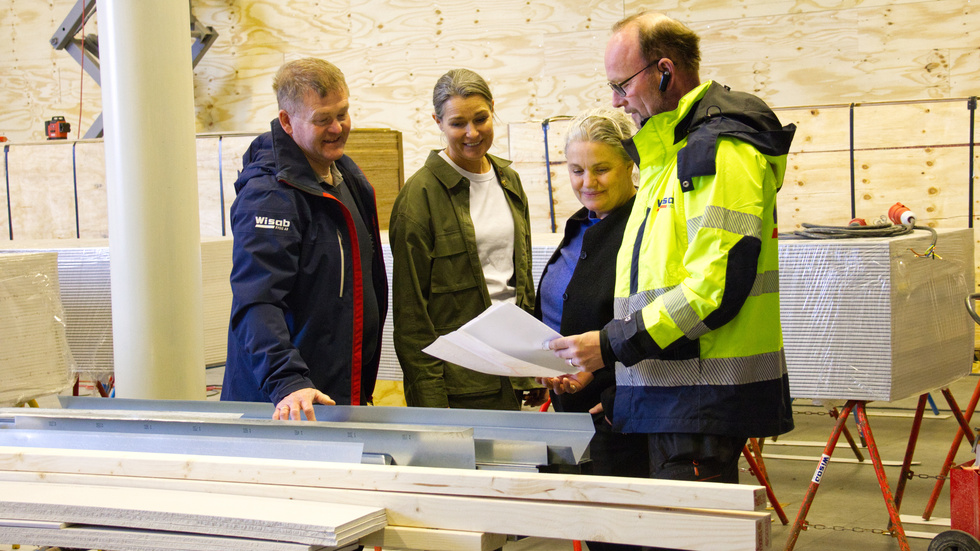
34, 356
639, 511
124, 518
871, 319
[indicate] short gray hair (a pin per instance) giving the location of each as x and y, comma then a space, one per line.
459, 83
602, 125
295, 78
661, 36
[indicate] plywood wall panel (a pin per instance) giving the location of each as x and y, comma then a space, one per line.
93, 208
919, 26
963, 71
818, 128
574, 75
42, 187
298, 24
931, 181
713, 10
908, 125
816, 190
27, 27
235, 93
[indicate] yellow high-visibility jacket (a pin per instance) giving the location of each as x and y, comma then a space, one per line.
697, 333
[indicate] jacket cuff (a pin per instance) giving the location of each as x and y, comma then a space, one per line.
608, 355
286, 389
629, 340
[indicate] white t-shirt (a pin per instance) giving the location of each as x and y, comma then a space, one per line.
494, 227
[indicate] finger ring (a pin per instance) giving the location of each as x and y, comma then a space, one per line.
570, 362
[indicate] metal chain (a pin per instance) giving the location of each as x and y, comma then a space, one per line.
798, 412
912, 475
838, 528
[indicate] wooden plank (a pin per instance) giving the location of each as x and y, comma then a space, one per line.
676, 528
121, 539
537, 487
266, 518
405, 537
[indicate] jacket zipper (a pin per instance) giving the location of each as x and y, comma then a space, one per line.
340, 245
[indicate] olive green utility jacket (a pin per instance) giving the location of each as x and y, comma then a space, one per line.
437, 278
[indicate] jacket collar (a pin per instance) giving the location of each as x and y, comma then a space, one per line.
449, 178
659, 129
292, 166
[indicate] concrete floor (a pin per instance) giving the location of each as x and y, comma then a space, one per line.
849, 503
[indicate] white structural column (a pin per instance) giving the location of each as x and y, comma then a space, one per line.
151, 174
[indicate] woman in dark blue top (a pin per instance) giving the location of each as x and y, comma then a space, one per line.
575, 294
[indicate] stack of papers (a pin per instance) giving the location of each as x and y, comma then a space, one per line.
503, 340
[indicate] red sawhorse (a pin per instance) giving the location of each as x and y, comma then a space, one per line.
892, 502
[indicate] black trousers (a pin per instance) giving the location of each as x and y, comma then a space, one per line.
695, 457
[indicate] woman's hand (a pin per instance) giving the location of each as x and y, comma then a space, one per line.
570, 383
579, 351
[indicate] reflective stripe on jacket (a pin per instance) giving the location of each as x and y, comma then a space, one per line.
697, 326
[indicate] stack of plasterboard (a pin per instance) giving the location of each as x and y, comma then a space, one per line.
216, 291
868, 319
84, 271
169, 515
34, 355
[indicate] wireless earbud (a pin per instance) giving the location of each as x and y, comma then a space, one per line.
664, 81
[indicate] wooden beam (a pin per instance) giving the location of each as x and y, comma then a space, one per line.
642, 525
390, 478
404, 537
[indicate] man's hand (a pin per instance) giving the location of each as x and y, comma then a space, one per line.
570, 383
579, 351
301, 401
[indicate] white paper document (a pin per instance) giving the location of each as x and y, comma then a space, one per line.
503, 340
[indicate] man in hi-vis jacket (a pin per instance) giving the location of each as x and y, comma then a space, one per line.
696, 338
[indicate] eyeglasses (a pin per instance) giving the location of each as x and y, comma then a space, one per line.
620, 88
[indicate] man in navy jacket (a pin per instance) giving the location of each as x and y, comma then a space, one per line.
308, 279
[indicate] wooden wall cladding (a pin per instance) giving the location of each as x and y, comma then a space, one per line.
40, 184
46, 180
810, 60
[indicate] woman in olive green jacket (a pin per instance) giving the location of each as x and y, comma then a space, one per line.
460, 241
